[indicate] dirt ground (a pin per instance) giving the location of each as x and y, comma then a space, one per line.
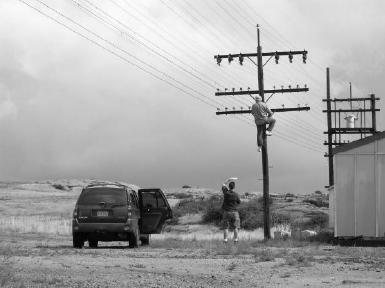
36, 260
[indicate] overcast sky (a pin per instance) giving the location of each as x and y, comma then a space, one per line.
135, 101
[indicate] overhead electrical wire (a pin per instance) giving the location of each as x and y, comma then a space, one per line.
190, 14
130, 62
202, 16
146, 46
184, 50
242, 16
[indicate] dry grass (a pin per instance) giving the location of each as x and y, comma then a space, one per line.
8, 277
36, 224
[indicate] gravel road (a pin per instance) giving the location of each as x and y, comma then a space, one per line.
31, 260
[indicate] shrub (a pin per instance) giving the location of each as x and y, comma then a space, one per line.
280, 218
183, 196
319, 220
250, 213
59, 186
213, 215
314, 220
323, 236
186, 186
319, 202
207, 207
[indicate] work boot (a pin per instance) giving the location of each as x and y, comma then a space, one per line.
268, 133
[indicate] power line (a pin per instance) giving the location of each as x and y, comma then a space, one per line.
116, 54
112, 52
132, 37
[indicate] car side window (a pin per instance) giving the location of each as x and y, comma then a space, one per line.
153, 200
161, 202
149, 200
134, 199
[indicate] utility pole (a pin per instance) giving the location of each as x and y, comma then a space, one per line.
330, 135
334, 127
261, 91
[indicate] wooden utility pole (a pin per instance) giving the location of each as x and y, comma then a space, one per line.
330, 135
261, 91
265, 156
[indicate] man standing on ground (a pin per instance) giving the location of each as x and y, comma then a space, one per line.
262, 116
230, 205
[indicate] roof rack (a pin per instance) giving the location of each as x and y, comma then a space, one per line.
101, 183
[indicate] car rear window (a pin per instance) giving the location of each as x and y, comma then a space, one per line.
103, 194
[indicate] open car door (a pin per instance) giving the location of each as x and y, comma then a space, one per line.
154, 210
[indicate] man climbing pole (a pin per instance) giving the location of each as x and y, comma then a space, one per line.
262, 115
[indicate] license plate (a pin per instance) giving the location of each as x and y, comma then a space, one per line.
102, 213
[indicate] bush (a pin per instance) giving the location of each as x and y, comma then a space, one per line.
183, 196
213, 213
318, 202
319, 219
323, 236
250, 213
196, 206
186, 186
59, 186
280, 218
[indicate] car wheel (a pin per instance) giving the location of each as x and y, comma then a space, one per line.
133, 239
77, 240
93, 243
145, 239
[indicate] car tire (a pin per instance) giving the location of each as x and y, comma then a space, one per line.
145, 239
77, 240
133, 239
93, 243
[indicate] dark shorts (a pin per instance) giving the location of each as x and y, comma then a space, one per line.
231, 220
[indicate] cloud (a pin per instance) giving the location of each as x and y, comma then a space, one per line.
7, 107
71, 109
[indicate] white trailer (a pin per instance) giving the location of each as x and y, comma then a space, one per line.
357, 204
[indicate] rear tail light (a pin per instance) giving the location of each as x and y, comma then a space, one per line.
76, 211
129, 210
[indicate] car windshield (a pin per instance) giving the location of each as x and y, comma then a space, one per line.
103, 194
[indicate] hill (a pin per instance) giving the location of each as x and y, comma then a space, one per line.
48, 205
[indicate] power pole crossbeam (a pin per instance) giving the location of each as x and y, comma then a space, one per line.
349, 99
279, 53
251, 92
351, 110
273, 110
